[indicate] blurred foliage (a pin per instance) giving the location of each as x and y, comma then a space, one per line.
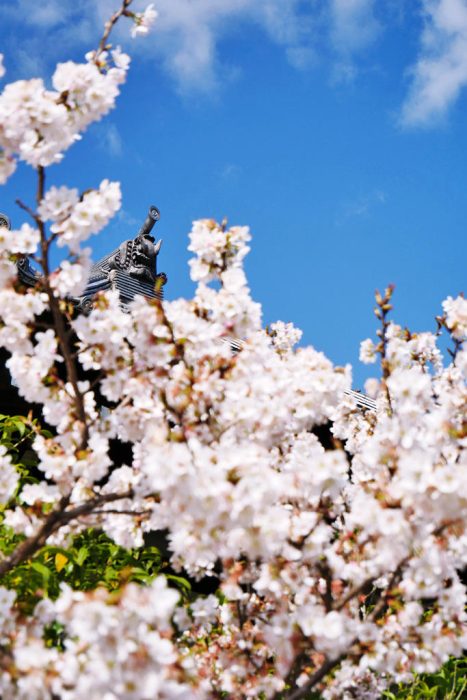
91, 559
17, 434
449, 683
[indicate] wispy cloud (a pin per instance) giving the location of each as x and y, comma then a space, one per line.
109, 139
189, 35
440, 72
354, 28
361, 207
36, 14
38, 33
354, 25
230, 172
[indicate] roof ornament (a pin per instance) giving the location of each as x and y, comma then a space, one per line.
4, 221
138, 257
131, 269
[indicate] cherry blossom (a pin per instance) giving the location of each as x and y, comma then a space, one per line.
456, 312
143, 21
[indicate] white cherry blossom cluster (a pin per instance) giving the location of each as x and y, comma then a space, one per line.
456, 316
38, 125
9, 477
22, 241
76, 218
123, 644
215, 247
329, 555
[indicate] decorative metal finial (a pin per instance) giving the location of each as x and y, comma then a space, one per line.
5, 221
153, 216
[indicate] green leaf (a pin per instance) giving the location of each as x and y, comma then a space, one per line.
42, 570
180, 582
20, 427
82, 555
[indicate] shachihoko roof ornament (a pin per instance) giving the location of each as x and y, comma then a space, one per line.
131, 269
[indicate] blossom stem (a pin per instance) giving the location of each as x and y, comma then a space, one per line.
110, 24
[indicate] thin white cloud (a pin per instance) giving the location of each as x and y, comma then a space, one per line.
362, 207
440, 72
189, 34
37, 14
354, 28
40, 34
230, 171
354, 25
108, 138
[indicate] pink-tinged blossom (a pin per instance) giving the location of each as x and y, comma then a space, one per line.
216, 248
9, 477
75, 221
367, 351
143, 21
456, 316
24, 240
121, 60
284, 335
70, 279
7, 164
58, 203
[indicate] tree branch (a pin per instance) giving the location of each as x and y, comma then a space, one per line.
316, 677
109, 26
54, 521
59, 320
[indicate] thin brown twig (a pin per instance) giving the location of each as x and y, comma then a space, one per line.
27, 209
63, 334
383, 307
115, 511
123, 10
316, 678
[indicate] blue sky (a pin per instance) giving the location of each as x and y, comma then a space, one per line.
336, 129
